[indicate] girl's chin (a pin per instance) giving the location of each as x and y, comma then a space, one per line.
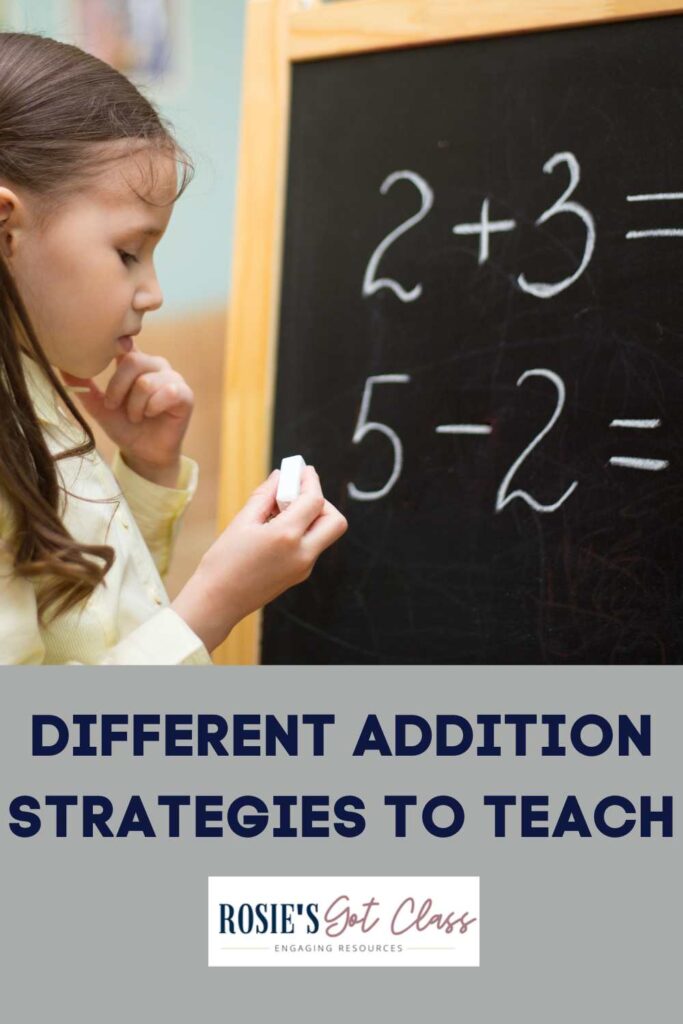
84, 371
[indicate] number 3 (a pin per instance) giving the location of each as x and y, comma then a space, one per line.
541, 289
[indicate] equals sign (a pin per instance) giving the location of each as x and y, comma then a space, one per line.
629, 462
655, 197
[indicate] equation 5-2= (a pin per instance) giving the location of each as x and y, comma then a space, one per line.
504, 495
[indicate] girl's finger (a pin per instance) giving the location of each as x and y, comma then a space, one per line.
88, 393
174, 398
143, 390
308, 506
138, 396
261, 503
327, 528
127, 371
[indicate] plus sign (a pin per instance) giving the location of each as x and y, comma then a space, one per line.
484, 228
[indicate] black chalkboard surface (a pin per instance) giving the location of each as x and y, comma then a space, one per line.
481, 349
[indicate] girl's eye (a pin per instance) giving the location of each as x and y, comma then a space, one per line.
126, 256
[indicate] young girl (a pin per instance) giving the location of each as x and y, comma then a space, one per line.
88, 178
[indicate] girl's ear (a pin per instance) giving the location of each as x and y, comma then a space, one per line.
11, 217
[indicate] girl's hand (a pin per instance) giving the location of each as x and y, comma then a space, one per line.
145, 410
258, 556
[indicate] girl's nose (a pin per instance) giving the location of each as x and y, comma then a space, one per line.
149, 295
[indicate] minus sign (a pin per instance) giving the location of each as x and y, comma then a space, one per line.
630, 463
463, 428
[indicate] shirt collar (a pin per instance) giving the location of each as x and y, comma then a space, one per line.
42, 394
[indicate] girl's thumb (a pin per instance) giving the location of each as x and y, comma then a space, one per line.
259, 506
88, 393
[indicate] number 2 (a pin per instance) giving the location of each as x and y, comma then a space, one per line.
372, 285
503, 498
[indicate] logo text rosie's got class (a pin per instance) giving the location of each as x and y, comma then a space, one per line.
435, 919
279, 918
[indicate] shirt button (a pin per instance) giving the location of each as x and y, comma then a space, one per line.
125, 524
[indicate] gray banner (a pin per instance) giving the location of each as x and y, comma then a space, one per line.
115, 929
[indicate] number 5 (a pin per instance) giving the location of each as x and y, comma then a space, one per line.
364, 426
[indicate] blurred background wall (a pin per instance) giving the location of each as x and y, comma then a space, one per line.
186, 55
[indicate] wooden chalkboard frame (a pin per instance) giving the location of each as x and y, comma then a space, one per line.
278, 34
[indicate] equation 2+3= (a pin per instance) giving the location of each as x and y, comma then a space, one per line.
485, 228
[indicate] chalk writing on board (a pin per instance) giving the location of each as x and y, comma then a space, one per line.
504, 495
485, 228
653, 197
464, 428
631, 462
365, 426
370, 284
563, 205
503, 498
639, 424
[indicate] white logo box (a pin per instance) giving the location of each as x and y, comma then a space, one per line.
325, 921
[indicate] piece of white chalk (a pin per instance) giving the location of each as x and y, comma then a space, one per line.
289, 487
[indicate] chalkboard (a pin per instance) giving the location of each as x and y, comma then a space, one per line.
480, 348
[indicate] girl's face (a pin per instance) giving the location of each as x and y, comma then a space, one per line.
87, 277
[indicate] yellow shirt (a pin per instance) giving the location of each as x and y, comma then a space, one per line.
127, 619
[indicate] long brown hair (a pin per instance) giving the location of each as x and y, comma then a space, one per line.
58, 105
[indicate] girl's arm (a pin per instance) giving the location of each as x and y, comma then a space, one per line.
158, 510
257, 557
20, 639
87, 633
164, 639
